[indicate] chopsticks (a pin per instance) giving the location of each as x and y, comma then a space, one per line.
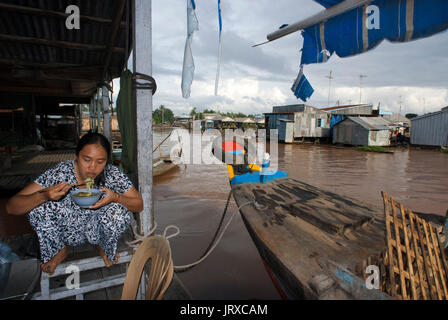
78, 184
71, 186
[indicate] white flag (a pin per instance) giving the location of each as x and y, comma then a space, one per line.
188, 67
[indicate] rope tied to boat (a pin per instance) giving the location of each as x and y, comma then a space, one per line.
213, 243
162, 142
216, 239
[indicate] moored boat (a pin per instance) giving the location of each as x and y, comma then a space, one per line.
313, 242
162, 165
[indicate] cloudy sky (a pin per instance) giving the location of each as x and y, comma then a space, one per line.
252, 80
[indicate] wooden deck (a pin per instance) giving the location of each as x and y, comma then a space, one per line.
26, 247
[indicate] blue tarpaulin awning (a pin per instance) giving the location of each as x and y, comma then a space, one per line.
363, 26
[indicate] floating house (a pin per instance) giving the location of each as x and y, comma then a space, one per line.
430, 129
363, 131
307, 121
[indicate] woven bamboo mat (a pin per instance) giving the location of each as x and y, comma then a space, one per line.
415, 260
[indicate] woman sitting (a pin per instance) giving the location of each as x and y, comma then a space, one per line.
58, 221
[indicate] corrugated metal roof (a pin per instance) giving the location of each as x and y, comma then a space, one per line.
371, 123
244, 120
40, 55
346, 107
396, 117
430, 114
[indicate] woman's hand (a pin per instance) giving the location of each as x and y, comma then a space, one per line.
130, 199
34, 195
56, 192
108, 198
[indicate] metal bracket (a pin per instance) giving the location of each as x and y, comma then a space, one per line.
149, 85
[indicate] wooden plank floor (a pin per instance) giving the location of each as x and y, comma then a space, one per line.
26, 247
29, 166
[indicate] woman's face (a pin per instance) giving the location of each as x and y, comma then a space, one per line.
91, 161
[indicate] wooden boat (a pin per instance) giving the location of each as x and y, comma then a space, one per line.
162, 165
315, 244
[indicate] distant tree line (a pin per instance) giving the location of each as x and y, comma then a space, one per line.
166, 115
411, 115
200, 115
163, 115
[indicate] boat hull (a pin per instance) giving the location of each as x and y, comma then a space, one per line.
162, 166
302, 232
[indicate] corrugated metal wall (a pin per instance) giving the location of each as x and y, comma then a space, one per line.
379, 138
272, 119
349, 132
290, 108
285, 131
430, 130
305, 123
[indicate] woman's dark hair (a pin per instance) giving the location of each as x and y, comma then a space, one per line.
95, 138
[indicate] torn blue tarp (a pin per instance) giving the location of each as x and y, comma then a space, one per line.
314, 50
363, 28
188, 67
328, 3
301, 87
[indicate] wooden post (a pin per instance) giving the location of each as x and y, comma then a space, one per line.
99, 111
107, 115
143, 64
91, 114
33, 117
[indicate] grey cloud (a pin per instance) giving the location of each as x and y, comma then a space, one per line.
420, 63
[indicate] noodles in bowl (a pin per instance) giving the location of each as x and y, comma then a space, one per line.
86, 198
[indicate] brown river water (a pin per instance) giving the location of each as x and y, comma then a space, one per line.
193, 198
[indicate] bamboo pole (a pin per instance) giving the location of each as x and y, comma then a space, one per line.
417, 256
408, 252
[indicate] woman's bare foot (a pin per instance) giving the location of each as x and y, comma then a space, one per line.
107, 262
51, 265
